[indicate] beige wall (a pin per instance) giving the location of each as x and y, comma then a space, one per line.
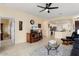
45, 29
20, 36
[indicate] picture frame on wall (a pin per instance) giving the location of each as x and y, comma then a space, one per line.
39, 25
20, 25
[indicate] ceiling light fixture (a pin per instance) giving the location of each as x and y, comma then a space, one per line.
46, 10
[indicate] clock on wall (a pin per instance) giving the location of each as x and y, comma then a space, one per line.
32, 22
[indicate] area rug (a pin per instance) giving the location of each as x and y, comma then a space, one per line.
63, 50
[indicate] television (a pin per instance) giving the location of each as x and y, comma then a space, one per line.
39, 25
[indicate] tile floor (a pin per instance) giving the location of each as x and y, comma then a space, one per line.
27, 49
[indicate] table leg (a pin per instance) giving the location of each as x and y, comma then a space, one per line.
48, 50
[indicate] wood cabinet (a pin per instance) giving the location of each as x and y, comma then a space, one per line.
34, 37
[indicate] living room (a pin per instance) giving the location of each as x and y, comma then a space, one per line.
26, 19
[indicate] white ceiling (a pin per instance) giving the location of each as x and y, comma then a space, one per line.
65, 9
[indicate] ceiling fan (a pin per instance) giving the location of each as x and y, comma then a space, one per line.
47, 7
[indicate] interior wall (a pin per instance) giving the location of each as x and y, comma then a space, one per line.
20, 36
45, 29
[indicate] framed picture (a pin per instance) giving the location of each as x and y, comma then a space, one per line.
20, 25
39, 25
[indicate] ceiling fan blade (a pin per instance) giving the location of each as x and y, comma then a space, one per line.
40, 6
50, 4
47, 5
53, 8
43, 10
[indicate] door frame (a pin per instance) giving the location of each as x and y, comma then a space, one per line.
12, 28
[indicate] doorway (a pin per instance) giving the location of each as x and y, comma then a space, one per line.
7, 31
